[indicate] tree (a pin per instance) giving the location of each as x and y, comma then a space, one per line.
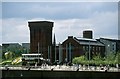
117, 58
97, 60
80, 60
110, 59
9, 55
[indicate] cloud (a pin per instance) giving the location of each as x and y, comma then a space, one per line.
102, 24
106, 24
0, 31
0, 23
15, 30
55, 10
60, 1
119, 21
69, 19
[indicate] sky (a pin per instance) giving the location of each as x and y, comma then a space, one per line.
70, 19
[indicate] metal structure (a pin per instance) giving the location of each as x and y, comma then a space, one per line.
32, 59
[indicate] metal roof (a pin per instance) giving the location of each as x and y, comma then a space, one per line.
30, 54
84, 41
113, 40
30, 21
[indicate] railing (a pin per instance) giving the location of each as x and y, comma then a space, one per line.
61, 68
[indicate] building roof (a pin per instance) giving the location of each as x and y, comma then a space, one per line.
114, 40
10, 44
85, 41
35, 54
40, 22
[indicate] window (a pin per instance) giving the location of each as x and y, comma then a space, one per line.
86, 47
99, 48
93, 53
93, 48
113, 46
96, 48
83, 47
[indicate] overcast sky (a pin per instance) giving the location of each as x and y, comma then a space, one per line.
70, 19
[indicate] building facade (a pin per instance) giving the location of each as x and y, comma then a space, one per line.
111, 45
41, 38
75, 47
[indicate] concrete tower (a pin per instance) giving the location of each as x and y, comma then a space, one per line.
40, 37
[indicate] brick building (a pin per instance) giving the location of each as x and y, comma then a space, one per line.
41, 38
75, 47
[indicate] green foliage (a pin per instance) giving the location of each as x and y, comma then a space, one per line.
117, 58
79, 60
7, 62
111, 59
14, 61
17, 60
9, 55
17, 50
97, 57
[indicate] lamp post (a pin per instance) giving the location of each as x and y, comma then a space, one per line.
89, 53
108, 50
89, 50
38, 52
66, 53
70, 53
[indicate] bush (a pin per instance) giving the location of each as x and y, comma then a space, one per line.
111, 60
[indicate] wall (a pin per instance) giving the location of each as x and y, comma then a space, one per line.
46, 74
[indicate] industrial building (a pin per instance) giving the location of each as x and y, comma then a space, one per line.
111, 45
41, 38
41, 43
75, 47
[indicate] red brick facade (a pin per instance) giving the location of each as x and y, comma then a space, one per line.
78, 48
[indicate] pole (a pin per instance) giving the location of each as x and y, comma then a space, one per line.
55, 54
66, 53
89, 53
89, 50
38, 52
70, 52
48, 53
59, 53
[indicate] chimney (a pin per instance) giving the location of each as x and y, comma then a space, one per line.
69, 37
88, 34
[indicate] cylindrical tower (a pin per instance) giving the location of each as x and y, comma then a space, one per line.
40, 37
88, 34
